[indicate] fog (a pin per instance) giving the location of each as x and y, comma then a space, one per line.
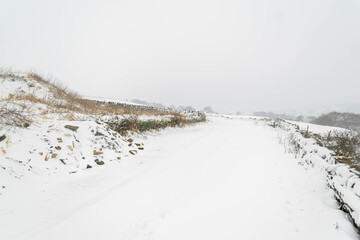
251, 55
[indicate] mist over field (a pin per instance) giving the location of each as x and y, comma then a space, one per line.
297, 57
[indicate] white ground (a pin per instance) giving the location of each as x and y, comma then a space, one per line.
227, 179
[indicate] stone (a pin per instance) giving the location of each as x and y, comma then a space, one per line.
133, 152
140, 148
130, 140
88, 166
99, 134
97, 152
2, 138
71, 127
99, 162
58, 148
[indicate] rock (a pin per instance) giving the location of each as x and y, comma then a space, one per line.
98, 162
99, 134
69, 147
133, 152
62, 160
88, 166
53, 155
58, 139
140, 148
118, 158
97, 152
72, 128
2, 138
138, 144
58, 148
26, 125
130, 140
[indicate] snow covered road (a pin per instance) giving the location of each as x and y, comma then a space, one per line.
227, 179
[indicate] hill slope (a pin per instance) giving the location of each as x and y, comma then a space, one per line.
58, 131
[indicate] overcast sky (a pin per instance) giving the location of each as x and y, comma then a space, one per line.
233, 55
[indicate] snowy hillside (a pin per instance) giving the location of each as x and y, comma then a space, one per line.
46, 129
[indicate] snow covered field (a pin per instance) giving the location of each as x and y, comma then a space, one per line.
226, 179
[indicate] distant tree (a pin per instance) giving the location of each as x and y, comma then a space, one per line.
157, 105
208, 109
299, 119
189, 108
139, 101
336, 119
310, 118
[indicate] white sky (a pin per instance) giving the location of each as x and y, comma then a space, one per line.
233, 55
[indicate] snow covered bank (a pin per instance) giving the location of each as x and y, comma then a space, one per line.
33, 137
54, 147
342, 178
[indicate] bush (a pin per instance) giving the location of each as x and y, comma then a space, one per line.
344, 143
13, 117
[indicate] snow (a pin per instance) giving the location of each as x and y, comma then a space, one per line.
19, 84
314, 128
111, 100
226, 179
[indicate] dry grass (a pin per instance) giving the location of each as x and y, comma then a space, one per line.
59, 90
123, 126
14, 117
78, 104
85, 106
69, 103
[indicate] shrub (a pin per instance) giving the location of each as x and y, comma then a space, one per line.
344, 143
13, 117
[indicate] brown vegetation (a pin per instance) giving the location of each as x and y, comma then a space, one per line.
14, 117
69, 104
123, 126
